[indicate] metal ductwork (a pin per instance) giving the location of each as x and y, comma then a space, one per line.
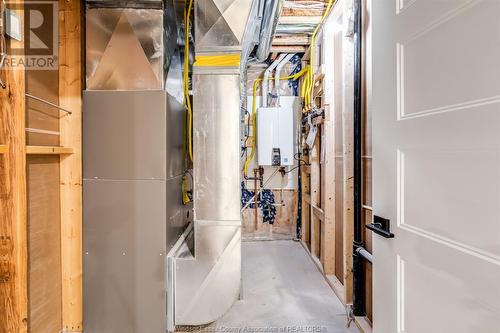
271, 15
220, 25
204, 267
134, 164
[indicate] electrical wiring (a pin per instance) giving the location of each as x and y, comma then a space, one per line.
301, 163
185, 195
187, 100
310, 83
184, 186
299, 159
296, 167
253, 117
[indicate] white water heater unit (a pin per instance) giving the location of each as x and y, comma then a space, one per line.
275, 139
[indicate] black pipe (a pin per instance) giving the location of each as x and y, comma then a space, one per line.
299, 203
358, 271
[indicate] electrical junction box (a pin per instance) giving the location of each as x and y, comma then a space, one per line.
275, 136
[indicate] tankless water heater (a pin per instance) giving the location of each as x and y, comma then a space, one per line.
275, 136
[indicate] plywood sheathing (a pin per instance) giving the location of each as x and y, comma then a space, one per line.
44, 244
334, 72
285, 225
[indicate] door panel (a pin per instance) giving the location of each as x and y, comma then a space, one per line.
436, 135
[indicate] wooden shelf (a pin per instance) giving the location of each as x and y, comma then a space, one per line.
44, 150
3, 149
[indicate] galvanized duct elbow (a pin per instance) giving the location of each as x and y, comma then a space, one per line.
204, 267
272, 12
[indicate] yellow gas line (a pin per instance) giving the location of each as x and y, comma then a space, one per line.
310, 81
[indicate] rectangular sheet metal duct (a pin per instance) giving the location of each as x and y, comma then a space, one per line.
205, 265
216, 147
125, 49
220, 25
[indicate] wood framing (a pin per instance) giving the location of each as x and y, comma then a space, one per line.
43, 150
328, 196
13, 244
306, 206
315, 199
59, 165
299, 19
334, 90
70, 98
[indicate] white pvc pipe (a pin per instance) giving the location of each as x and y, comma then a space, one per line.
278, 76
267, 74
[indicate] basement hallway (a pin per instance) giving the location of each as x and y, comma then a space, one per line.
283, 291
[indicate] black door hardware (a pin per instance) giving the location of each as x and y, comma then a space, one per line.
381, 227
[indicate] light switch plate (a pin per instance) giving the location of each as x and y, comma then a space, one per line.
13, 25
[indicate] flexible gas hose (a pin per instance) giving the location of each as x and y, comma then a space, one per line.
187, 100
253, 116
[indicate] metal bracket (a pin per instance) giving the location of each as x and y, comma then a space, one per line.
381, 227
48, 103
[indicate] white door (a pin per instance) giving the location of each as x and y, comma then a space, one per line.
436, 124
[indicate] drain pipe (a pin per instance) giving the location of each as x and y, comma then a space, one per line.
365, 254
267, 75
278, 75
357, 257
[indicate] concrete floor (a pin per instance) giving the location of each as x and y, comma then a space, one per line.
282, 288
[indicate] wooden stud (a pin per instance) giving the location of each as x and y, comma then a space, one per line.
307, 198
301, 11
288, 48
348, 152
13, 243
328, 234
315, 197
306, 209
319, 213
325, 89
43, 150
293, 40
327, 240
4, 149
70, 98
299, 19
